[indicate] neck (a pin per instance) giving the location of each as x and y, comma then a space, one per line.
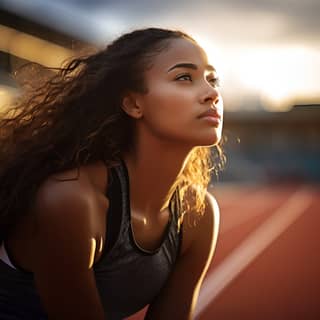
153, 173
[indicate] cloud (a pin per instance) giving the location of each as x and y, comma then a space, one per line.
279, 20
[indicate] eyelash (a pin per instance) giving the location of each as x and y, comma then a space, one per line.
184, 76
215, 82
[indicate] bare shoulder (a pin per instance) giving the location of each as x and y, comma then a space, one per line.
60, 190
72, 189
61, 202
69, 208
201, 229
69, 185
65, 244
212, 210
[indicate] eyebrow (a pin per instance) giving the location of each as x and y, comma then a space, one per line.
190, 66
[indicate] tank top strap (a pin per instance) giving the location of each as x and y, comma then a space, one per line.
123, 178
118, 212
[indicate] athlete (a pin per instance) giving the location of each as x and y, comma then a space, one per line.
104, 172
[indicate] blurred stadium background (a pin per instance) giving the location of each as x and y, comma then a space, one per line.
269, 190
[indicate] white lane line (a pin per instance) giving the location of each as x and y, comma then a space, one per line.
245, 213
252, 246
233, 215
257, 195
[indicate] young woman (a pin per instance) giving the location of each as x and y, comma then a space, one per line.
104, 171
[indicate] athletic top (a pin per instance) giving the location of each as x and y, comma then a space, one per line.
128, 277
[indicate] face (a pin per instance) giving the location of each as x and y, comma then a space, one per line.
183, 103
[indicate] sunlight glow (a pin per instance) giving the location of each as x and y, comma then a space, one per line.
31, 48
7, 94
279, 75
93, 246
212, 51
275, 77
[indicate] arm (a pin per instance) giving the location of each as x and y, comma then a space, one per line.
64, 247
179, 297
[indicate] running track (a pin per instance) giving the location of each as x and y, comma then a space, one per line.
267, 261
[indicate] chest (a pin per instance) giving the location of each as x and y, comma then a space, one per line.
130, 276
149, 233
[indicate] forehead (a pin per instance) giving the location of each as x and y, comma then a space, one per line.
179, 51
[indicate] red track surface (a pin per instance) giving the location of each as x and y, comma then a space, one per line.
267, 260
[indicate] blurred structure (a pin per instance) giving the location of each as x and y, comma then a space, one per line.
261, 146
273, 146
22, 41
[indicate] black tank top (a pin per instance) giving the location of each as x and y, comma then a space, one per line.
128, 277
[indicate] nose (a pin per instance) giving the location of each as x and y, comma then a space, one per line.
211, 95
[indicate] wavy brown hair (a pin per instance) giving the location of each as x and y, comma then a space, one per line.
75, 117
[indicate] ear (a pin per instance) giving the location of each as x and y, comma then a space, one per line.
131, 106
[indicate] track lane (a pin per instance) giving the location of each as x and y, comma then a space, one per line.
251, 247
254, 206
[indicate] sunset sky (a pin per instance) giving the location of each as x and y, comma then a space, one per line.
267, 52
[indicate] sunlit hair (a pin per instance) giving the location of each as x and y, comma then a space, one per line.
202, 164
75, 118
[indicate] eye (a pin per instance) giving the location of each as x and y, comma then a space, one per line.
184, 77
215, 82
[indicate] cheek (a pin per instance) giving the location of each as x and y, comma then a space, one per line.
168, 103
171, 112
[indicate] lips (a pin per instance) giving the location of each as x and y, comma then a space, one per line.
210, 113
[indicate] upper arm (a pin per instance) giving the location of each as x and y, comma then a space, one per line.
178, 298
64, 245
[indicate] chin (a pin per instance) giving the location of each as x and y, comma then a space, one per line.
211, 140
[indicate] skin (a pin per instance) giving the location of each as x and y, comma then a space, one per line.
172, 104
61, 252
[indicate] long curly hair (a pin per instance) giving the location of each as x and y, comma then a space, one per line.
75, 118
